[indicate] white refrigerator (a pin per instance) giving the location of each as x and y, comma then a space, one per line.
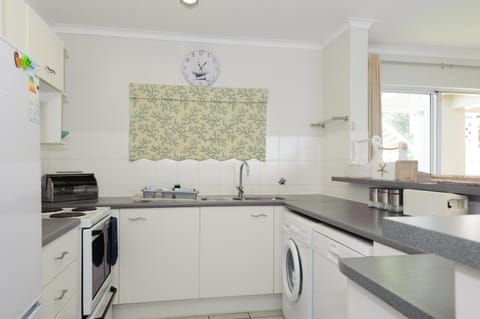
20, 204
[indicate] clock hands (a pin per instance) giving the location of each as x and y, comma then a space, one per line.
200, 67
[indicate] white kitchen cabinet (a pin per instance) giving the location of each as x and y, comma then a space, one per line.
46, 49
72, 309
364, 305
278, 248
14, 22
61, 276
159, 254
236, 251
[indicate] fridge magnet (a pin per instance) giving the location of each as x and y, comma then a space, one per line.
27, 63
18, 60
34, 101
32, 86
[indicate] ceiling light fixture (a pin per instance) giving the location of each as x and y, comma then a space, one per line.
189, 3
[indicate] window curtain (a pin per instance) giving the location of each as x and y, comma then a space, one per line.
185, 122
374, 99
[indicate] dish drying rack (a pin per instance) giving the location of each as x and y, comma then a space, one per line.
169, 192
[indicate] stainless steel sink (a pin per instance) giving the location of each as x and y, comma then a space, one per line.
264, 198
230, 198
220, 198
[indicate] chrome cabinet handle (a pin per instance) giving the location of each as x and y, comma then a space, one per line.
64, 292
134, 219
50, 70
62, 255
258, 215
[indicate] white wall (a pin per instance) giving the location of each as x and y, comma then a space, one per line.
345, 75
99, 70
430, 77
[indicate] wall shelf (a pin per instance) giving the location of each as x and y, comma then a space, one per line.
434, 186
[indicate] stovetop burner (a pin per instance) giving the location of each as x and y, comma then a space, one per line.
51, 209
83, 209
65, 215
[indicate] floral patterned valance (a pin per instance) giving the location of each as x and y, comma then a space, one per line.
184, 122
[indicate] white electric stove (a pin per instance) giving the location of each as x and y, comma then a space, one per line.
99, 240
88, 216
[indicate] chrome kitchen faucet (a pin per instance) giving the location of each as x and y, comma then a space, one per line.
240, 186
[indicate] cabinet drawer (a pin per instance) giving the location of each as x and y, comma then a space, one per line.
72, 309
61, 290
59, 254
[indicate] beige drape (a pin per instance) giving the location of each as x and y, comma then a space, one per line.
374, 98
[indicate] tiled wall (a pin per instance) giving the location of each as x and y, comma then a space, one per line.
295, 158
97, 115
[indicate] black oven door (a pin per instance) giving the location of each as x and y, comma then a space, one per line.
96, 264
101, 269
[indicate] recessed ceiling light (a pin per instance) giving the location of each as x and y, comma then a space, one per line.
189, 3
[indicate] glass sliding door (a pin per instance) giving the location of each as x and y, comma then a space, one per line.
407, 117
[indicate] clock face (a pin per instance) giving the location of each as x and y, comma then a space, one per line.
200, 68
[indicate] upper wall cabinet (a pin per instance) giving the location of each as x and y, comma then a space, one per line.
14, 22
46, 49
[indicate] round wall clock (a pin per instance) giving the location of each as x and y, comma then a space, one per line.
200, 68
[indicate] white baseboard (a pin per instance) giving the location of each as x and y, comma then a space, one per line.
157, 310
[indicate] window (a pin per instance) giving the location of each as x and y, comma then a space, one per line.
442, 130
407, 117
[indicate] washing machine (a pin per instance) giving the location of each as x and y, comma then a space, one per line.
329, 284
297, 267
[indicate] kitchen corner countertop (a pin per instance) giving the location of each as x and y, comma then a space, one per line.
351, 216
418, 286
453, 237
54, 228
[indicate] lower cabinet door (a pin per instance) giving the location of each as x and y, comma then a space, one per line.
361, 304
72, 309
236, 251
159, 254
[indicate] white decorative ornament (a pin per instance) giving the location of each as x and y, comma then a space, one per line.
200, 68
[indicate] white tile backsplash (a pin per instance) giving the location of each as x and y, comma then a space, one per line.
228, 172
288, 148
289, 170
272, 148
269, 172
188, 173
209, 172
269, 189
307, 148
295, 158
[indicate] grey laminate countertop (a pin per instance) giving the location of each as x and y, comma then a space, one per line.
453, 237
434, 186
353, 217
418, 286
54, 228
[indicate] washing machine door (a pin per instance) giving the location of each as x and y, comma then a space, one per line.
292, 271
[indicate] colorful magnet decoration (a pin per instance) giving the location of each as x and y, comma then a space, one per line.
26, 62
18, 60
31, 85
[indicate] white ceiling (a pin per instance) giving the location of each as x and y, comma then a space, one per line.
445, 23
